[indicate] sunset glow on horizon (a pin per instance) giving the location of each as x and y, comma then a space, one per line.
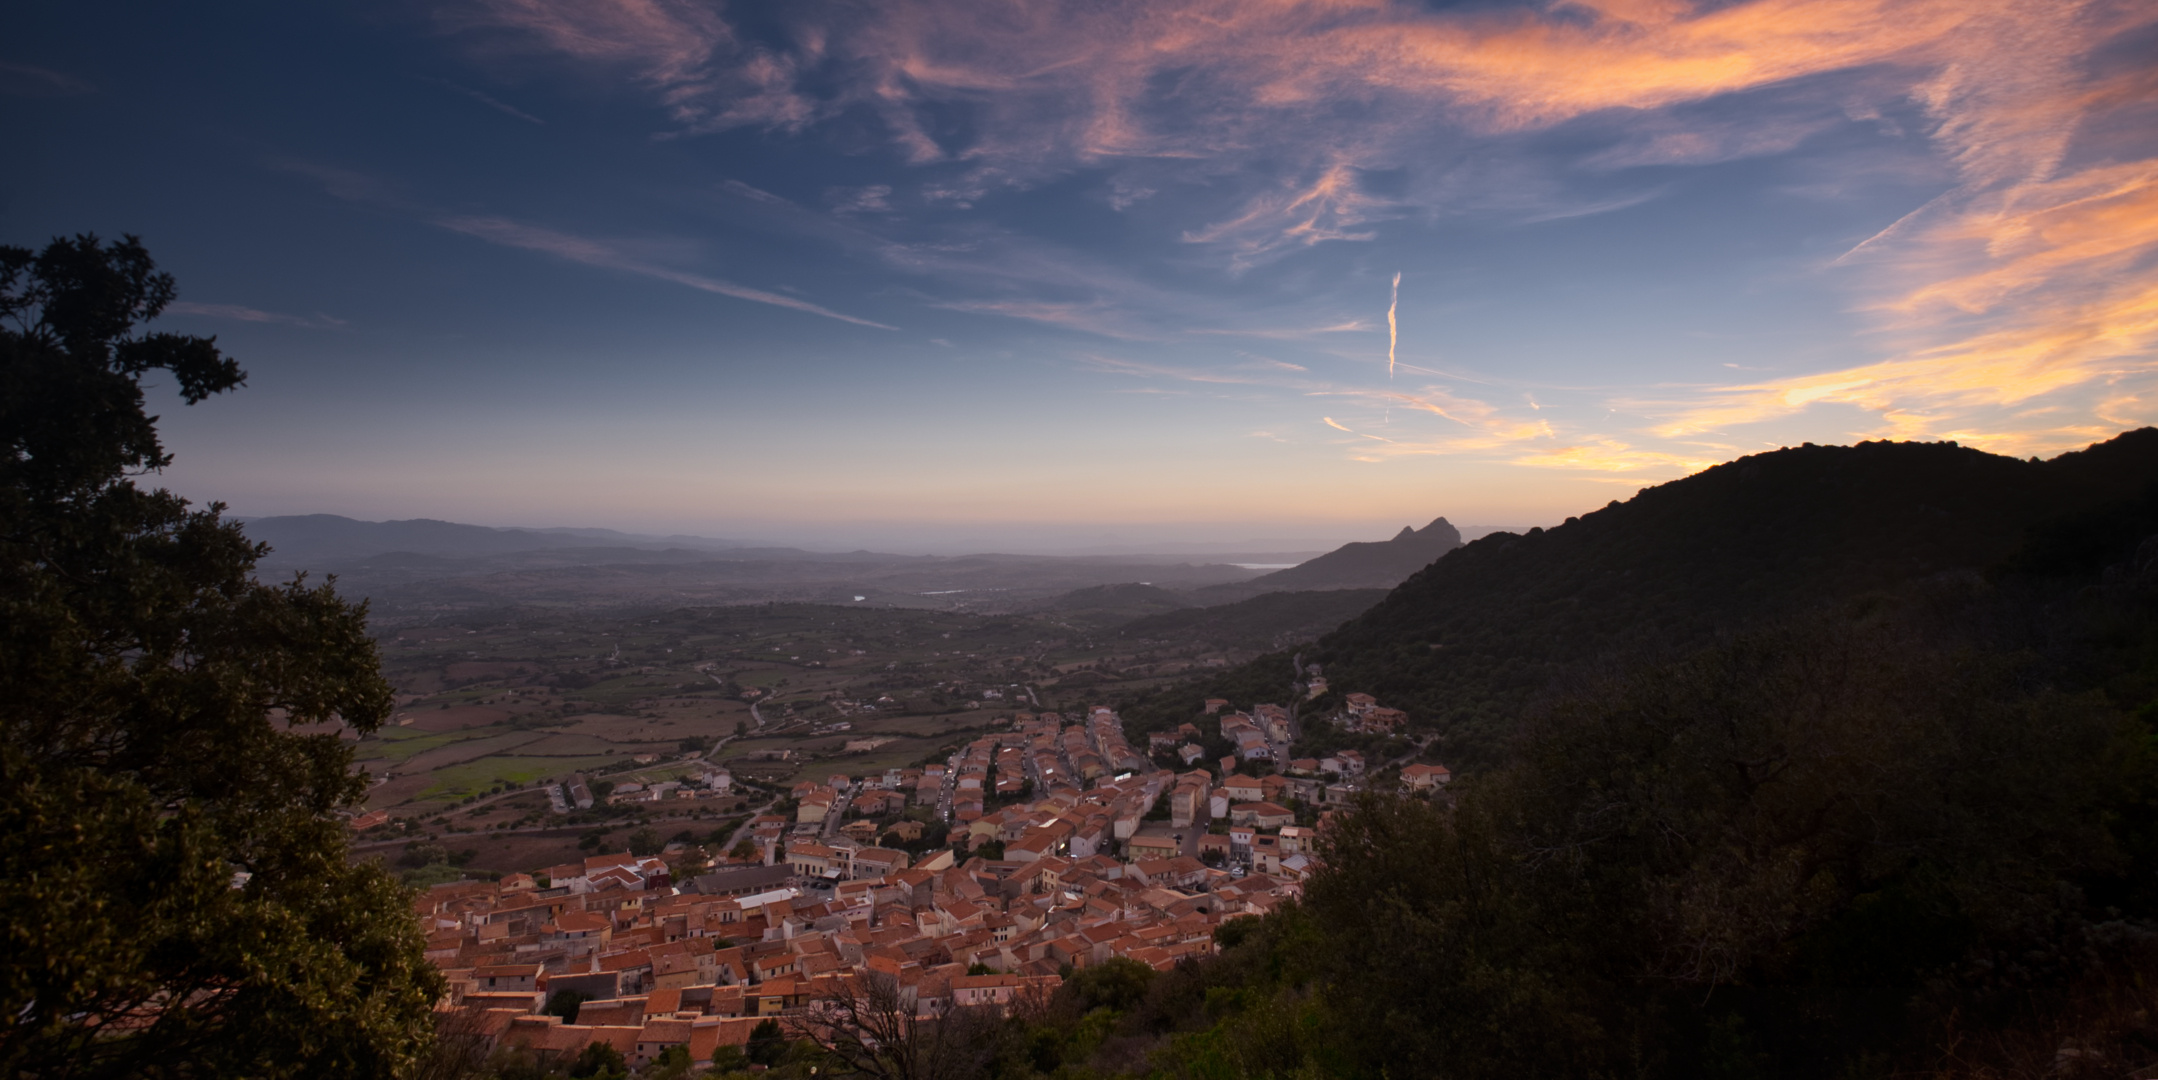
1044, 274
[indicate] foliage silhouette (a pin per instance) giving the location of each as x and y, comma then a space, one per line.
178, 900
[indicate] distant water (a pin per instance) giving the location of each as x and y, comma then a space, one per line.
1264, 565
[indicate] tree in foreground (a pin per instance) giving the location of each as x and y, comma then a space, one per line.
178, 900
869, 1026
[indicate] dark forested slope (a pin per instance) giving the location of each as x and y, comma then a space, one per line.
1877, 798
1470, 640
1911, 831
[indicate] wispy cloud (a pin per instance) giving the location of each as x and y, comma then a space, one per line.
2033, 282
1289, 333
614, 256
1194, 374
1463, 426
242, 313
25, 80
349, 185
1329, 208
1092, 316
1309, 92
870, 198
489, 100
681, 50
646, 258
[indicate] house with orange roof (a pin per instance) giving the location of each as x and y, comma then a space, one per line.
508, 978
1262, 815
1035, 845
1150, 846
878, 862
579, 931
1381, 721
1419, 777
612, 1012
814, 806
814, 861
550, 1036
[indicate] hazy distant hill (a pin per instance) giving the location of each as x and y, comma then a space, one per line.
1109, 605
1368, 566
326, 538
1469, 641
1377, 565
425, 565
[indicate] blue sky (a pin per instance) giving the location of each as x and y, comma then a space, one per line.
957, 274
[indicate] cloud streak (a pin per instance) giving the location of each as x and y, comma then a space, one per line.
1393, 328
611, 256
489, 100
24, 80
243, 313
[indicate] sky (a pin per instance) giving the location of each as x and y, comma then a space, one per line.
961, 274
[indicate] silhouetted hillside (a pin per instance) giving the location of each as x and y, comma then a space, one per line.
1469, 641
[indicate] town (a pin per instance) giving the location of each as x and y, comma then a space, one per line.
1067, 846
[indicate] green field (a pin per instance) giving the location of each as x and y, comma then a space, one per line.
457, 781
581, 690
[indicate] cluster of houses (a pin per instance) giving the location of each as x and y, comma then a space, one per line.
1089, 865
1255, 733
1363, 713
699, 963
706, 780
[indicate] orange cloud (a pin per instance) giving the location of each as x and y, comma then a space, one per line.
1531, 69
1611, 455
2035, 283
2046, 350
2094, 224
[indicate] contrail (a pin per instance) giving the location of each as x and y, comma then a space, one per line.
1393, 329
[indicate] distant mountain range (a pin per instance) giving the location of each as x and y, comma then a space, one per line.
1470, 640
322, 538
425, 564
